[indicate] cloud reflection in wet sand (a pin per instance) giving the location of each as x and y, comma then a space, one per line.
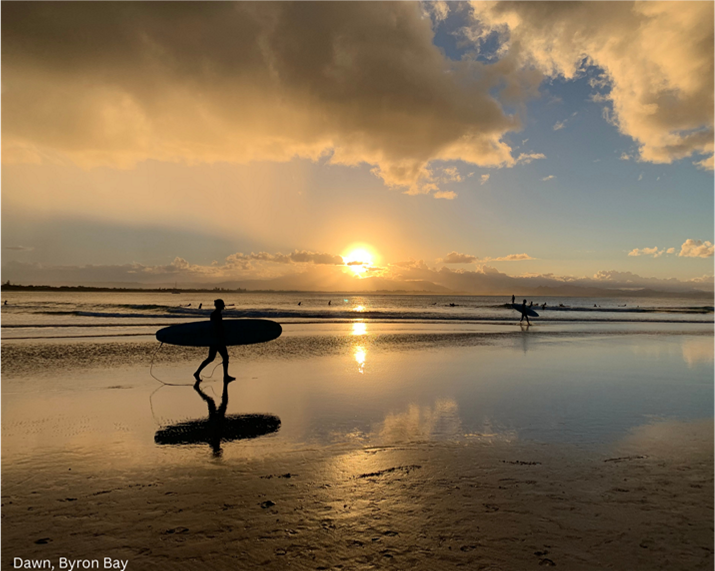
697, 350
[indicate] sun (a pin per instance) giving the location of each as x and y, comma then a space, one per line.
359, 260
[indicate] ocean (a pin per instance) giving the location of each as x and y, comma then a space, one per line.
29, 315
368, 369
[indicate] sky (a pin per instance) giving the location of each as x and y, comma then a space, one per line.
462, 146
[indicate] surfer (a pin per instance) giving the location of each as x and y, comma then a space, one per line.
524, 311
220, 348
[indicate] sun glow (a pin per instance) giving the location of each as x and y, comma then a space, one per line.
359, 260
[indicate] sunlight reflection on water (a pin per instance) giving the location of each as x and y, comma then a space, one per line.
321, 392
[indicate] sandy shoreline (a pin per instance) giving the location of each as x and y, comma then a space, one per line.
423, 506
417, 451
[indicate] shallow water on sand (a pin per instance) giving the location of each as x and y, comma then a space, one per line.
129, 403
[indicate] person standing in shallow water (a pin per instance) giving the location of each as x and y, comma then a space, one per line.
220, 347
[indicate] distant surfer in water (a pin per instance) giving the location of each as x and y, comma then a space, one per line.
220, 348
524, 311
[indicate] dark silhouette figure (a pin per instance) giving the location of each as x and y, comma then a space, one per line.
330, 302
524, 310
300, 302
5, 302
220, 347
200, 305
543, 306
218, 428
513, 298
216, 417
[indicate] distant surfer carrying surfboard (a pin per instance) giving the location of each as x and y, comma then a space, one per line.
220, 348
524, 313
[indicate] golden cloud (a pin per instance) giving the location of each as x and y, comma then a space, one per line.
118, 83
656, 57
696, 249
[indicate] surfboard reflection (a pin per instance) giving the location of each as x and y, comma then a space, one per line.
218, 427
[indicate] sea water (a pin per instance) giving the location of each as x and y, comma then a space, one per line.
84, 377
27, 314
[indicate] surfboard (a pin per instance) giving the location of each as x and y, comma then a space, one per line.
236, 332
529, 312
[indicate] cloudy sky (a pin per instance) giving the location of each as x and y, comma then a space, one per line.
327, 145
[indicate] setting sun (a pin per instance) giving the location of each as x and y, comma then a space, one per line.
359, 260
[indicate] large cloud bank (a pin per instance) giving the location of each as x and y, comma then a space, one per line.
113, 83
656, 57
360, 82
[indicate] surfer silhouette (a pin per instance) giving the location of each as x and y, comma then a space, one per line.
217, 416
513, 298
524, 310
220, 348
219, 427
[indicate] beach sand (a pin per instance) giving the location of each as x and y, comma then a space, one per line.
395, 451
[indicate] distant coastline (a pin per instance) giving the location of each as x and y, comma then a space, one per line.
566, 291
15, 287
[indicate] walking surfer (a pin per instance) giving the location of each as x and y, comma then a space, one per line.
524, 311
219, 347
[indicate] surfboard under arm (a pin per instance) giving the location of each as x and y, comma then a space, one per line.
529, 312
235, 332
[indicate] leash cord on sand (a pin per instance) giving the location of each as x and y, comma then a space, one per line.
151, 367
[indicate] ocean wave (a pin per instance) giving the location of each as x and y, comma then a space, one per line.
128, 319
567, 308
446, 312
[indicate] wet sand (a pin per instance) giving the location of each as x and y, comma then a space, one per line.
419, 477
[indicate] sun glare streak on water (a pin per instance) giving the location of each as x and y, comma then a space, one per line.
359, 328
360, 355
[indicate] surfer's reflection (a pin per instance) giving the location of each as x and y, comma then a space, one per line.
524, 338
218, 428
